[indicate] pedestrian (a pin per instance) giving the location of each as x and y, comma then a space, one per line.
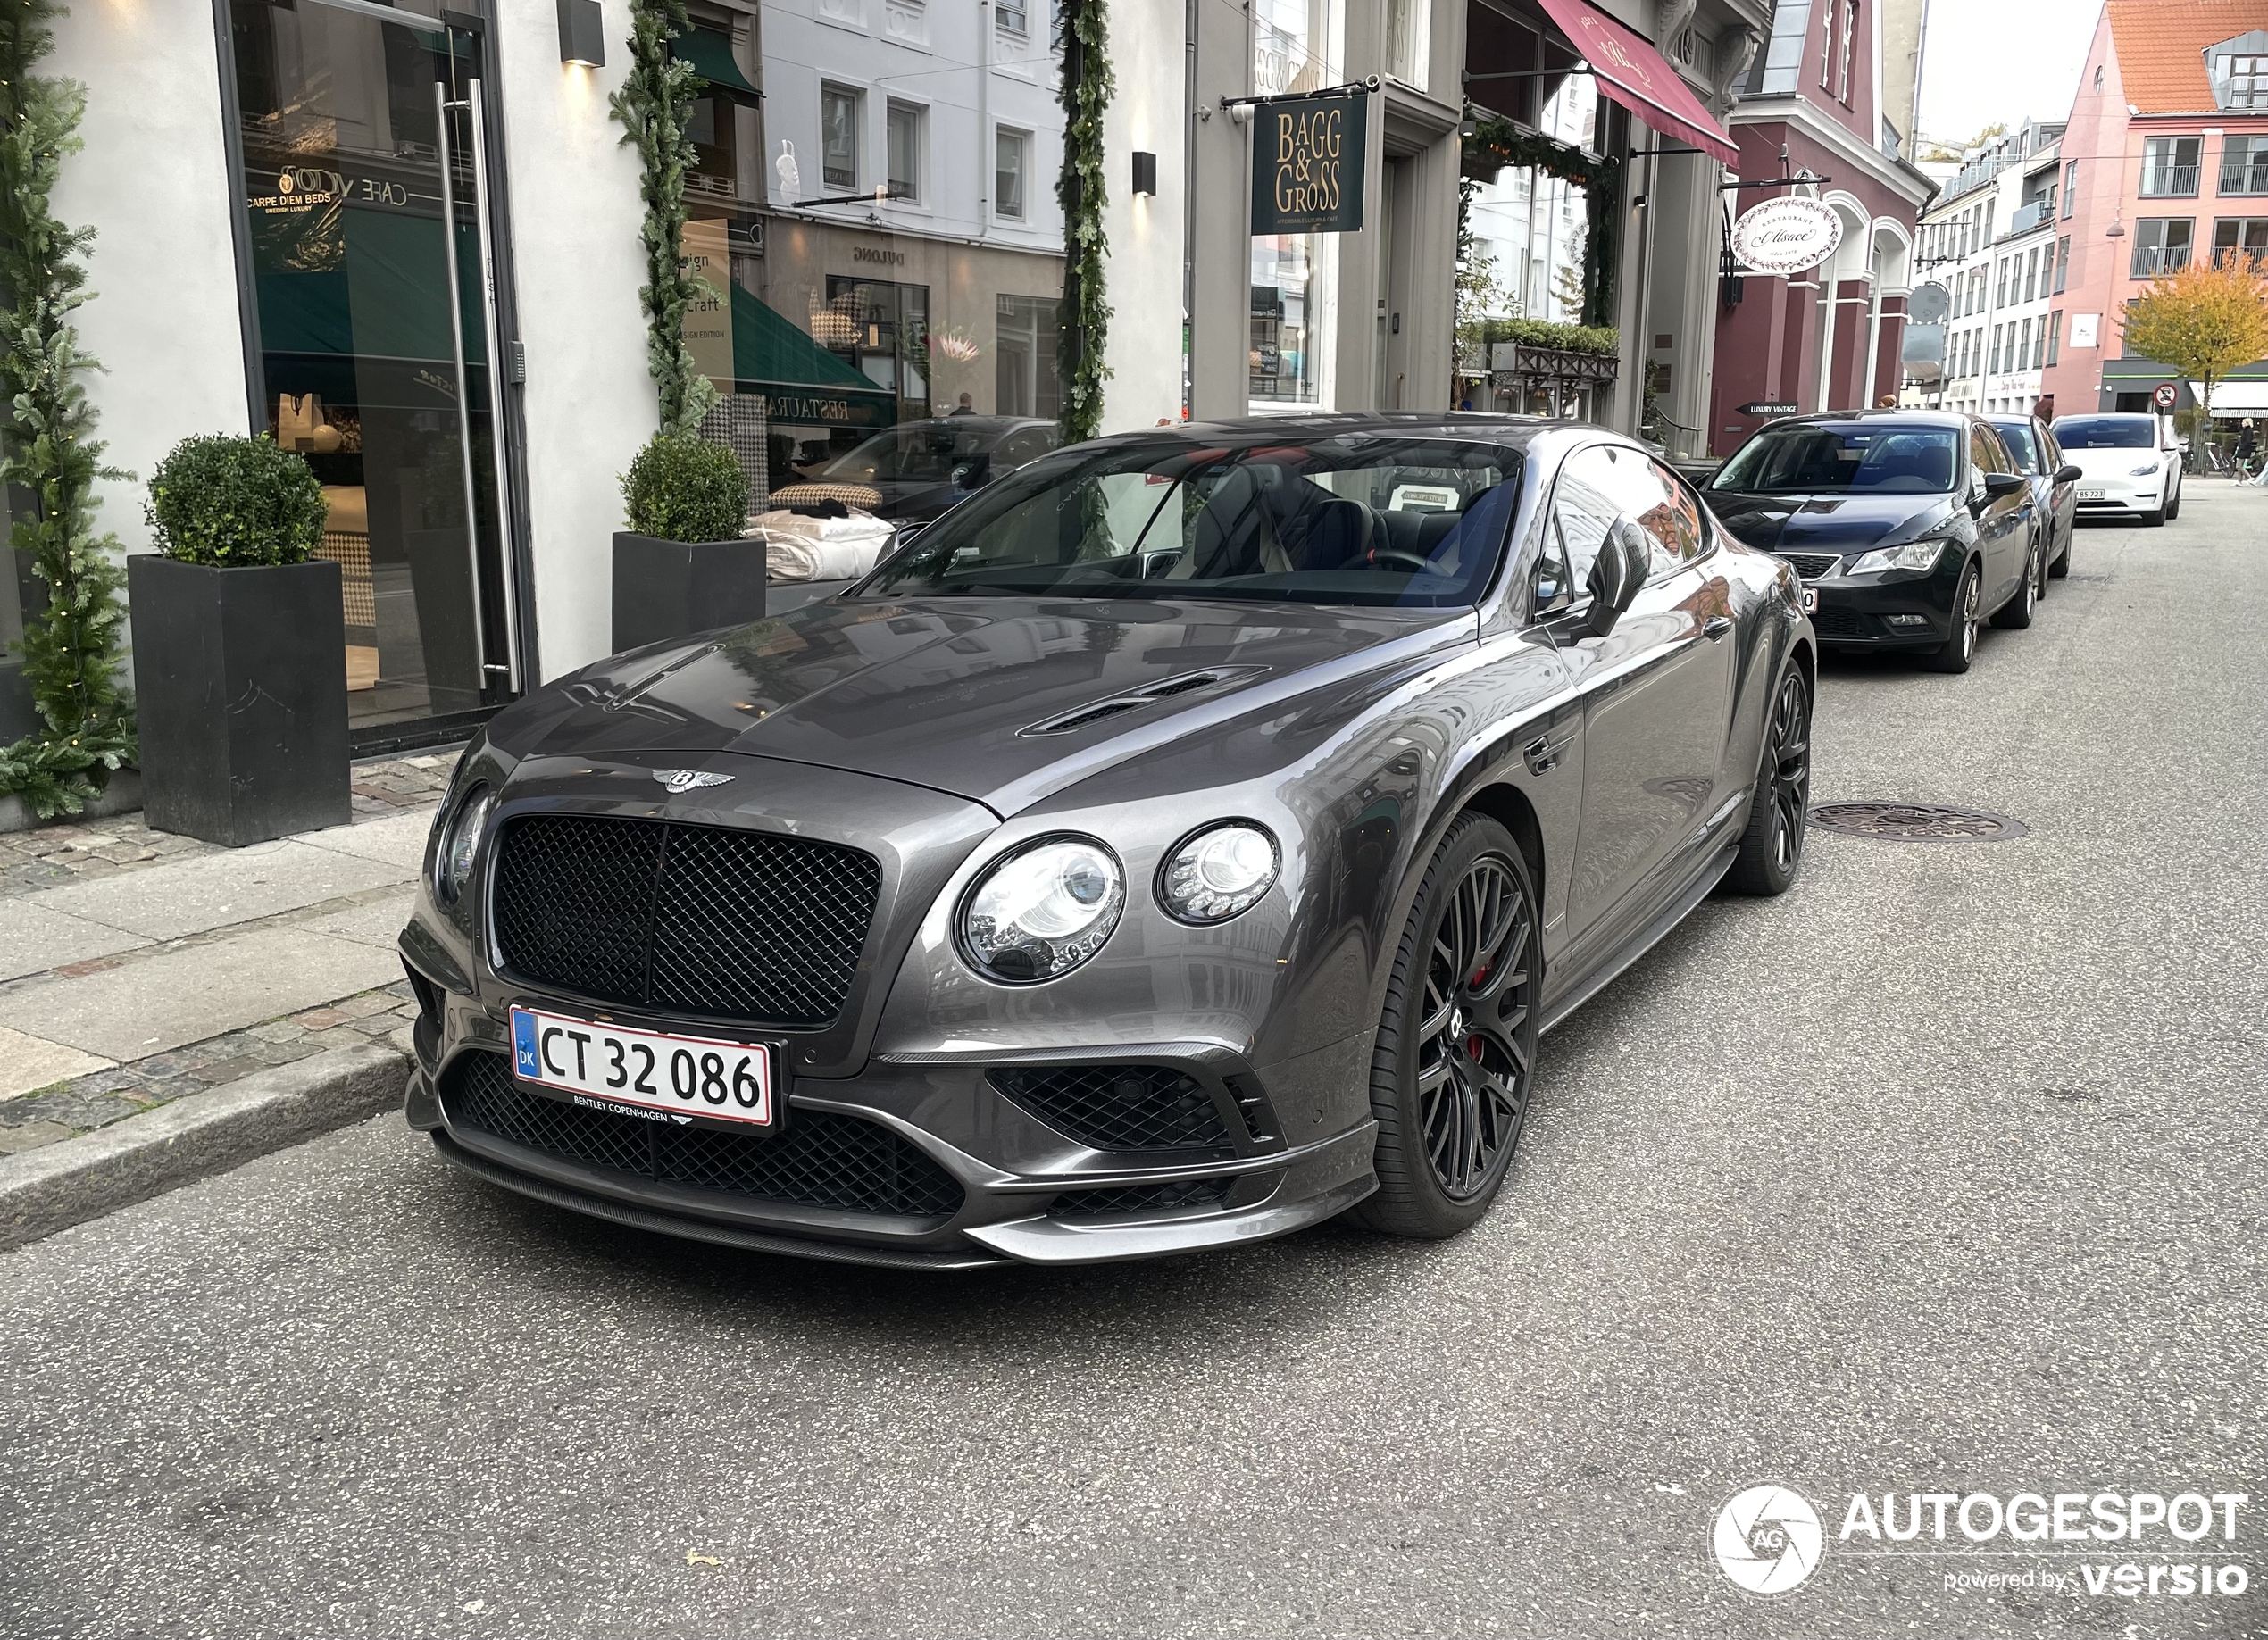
967, 406
1888, 401
2246, 446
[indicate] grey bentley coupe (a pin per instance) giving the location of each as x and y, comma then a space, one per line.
1185, 840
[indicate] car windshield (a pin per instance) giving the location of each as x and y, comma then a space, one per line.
2022, 444
2106, 433
1351, 518
933, 450
1809, 458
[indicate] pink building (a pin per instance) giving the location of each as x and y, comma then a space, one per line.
2165, 159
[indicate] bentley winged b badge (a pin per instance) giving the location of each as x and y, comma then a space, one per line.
686, 779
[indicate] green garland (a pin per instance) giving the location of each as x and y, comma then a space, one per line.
1084, 322
655, 108
71, 649
1499, 144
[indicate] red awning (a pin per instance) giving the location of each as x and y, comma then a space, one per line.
1634, 74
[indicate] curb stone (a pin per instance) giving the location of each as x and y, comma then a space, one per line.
56, 1186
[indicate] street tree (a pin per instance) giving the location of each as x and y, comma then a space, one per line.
2202, 319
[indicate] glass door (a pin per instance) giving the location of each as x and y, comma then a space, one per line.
365, 194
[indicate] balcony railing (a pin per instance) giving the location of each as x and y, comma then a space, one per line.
2246, 178
2031, 216
2169, 181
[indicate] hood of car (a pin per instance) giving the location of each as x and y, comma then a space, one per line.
1003, 702
1833, 523
2113, 463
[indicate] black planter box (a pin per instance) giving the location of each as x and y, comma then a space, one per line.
240, 686
665, 589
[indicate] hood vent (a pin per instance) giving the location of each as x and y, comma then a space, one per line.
1133, 700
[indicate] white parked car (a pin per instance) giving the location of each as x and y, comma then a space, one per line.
2130, 465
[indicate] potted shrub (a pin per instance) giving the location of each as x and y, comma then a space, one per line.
683, 566
239, 647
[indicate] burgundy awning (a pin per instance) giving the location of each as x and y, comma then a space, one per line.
1634, 74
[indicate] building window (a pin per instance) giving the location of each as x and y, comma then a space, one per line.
1780, 61
1850, 43
2161, 245
2031, 273
2169, 167
839, 122
2071, 190
2233, 235
1009, 150
2023, 359
2244, 165
904, 152
2054, 334
2000, 283
1014, 16
2247, 82
2062, 263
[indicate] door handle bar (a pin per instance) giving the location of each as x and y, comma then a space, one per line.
496, 440
465, 408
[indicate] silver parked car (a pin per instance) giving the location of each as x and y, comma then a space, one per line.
1188, 838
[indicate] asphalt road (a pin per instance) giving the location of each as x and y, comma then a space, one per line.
1942, 1174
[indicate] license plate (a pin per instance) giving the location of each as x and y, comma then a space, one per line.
1811, 600
2091, 492
650, 1074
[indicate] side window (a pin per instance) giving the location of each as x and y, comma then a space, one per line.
1985, 455
1582, 510
1685, 513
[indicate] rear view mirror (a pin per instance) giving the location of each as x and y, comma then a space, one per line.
2068, 474
1999, 484
1617, 573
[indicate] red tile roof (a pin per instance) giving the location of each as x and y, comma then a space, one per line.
2161, 48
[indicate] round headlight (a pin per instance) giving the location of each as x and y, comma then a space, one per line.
1219, 874
461, 843
1042, 910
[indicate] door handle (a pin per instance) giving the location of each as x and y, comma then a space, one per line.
1717, 626
441, 107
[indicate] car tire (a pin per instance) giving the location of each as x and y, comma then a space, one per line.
1960, 647
2152, 519
1771, 848
1453, 1061
2015, 615
2173, 504
2060, 565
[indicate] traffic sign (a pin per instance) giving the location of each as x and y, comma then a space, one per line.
2163, 397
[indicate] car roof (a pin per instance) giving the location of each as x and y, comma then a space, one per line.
1910, 418
2107, 415
1502, 429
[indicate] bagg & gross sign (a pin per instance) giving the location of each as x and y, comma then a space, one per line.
1307, 165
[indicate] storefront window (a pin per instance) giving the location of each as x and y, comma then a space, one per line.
1295, 49
924, 308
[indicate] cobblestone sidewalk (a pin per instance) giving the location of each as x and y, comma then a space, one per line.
78, 850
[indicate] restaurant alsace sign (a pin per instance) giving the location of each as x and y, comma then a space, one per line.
1787, 236
1308, 164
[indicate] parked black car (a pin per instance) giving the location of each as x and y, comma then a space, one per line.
1909, 527
2054, 488
912, 471
1185, 840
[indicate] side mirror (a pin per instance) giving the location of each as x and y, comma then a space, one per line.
2068, 474
1617, 573
1999, 484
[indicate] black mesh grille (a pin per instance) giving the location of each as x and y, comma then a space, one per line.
1839, 623
821, 1159
1811, 566
739, 925
1120, 1107
1140, 1199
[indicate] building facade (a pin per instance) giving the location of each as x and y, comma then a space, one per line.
1995, 241
2166, 160
1832, 337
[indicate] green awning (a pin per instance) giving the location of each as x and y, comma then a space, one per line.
710, 54
767, 346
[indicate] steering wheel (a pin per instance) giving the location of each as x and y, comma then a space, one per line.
1418, 563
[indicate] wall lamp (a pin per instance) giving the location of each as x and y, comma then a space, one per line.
582, 34
1145, 173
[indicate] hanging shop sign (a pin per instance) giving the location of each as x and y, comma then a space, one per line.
1308, 164
1787, 236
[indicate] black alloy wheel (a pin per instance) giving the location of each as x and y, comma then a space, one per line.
2015, 615
1772, 847
1455, 1053
1960, 647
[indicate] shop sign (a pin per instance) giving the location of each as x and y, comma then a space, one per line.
820, 408
1787, 236
1767, 407
707, 323
1308, 164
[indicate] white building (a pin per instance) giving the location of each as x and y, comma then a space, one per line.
1991, 239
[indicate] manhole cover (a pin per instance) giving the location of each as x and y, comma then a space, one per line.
1916, 822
